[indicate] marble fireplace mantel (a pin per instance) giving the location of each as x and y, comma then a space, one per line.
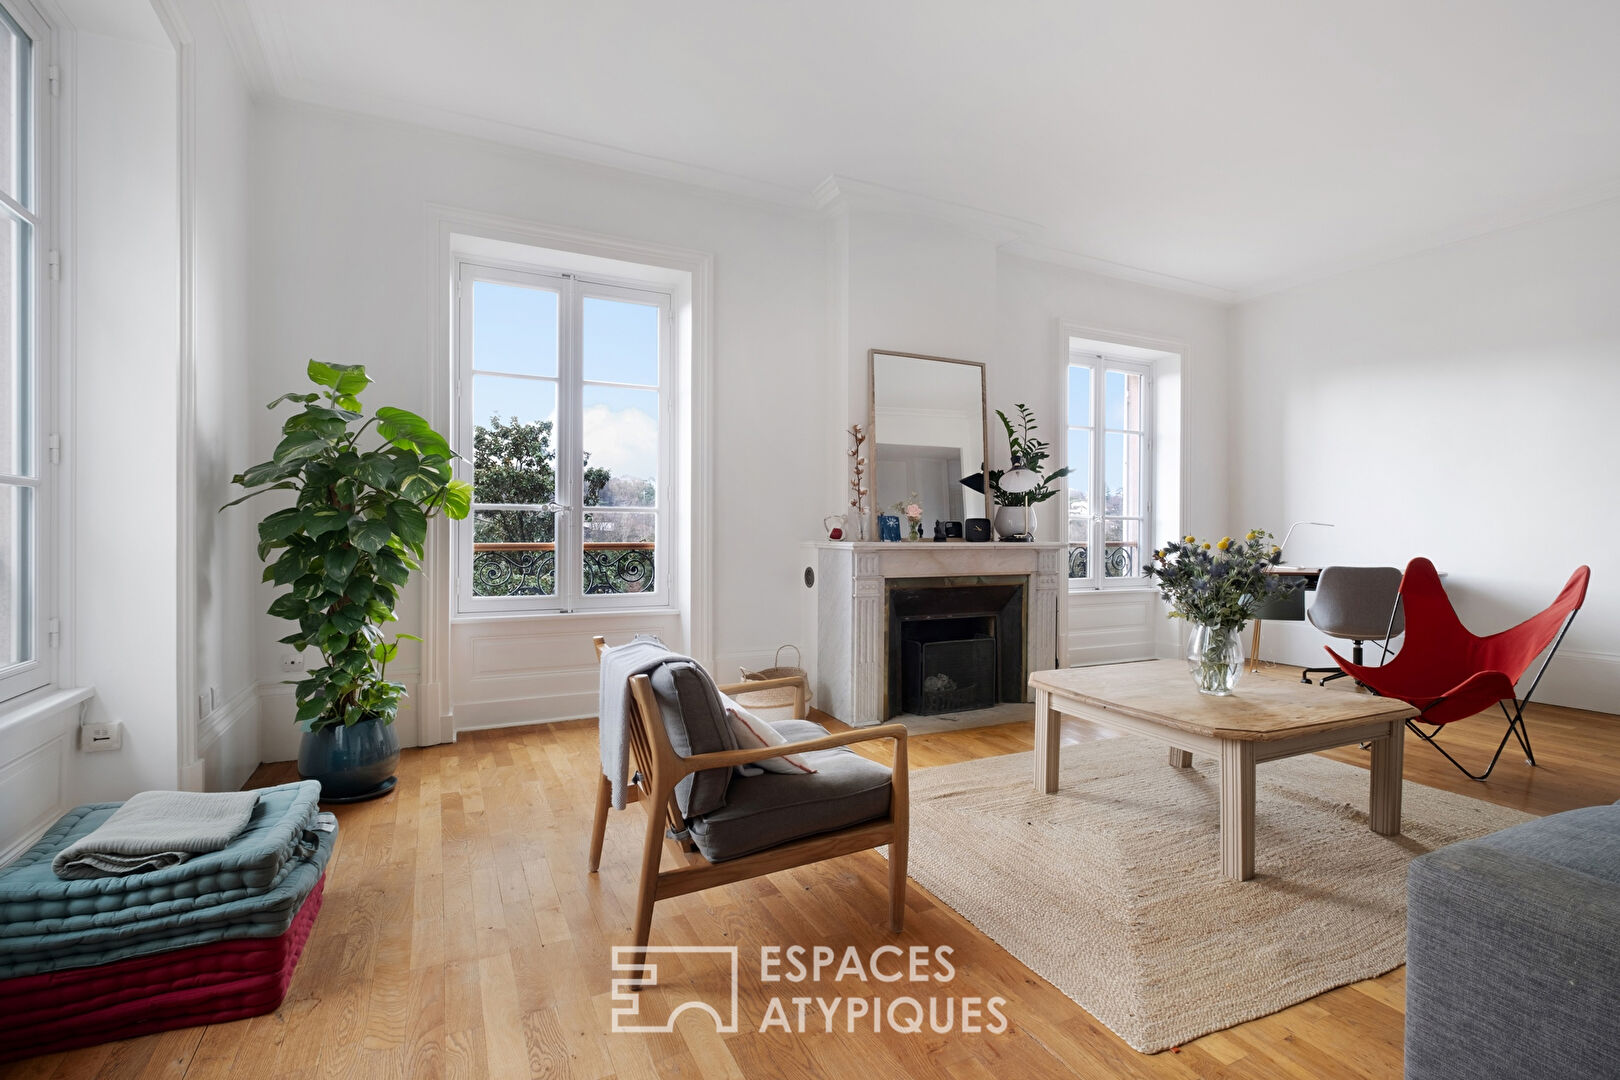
852, 617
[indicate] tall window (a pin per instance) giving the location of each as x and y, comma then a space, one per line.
1110, 478
564, 388
21, 442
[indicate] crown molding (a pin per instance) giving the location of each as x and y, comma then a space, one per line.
1027, 249
1478, 228
837, 195
246, 49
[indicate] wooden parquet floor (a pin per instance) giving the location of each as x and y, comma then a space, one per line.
462, 937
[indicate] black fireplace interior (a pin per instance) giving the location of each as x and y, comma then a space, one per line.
955, 644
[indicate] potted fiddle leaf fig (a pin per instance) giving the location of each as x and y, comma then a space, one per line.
340, 555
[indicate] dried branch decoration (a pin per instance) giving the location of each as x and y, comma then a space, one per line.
857, 471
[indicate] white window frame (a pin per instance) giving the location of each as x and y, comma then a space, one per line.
38, 344
568, 437
1095, 430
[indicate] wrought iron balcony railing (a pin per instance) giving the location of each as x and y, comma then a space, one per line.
1123, 559
531, 569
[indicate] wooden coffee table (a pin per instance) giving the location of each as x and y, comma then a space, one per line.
1264, 720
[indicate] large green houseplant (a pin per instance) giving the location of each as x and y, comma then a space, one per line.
343, 551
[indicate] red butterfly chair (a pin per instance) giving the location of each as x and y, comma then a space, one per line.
1451, 674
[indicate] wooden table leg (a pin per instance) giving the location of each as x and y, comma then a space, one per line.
1237, 809
1180, 759
1388, 764
1047, 720
1254, 647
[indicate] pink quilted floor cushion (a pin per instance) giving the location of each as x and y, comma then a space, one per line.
203, 984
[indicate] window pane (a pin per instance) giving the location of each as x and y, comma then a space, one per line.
1122, 472
619, 551
514, 329
16, 406
1124, 393
621, 446
514, 440
514, 553
14, 76
1079, 395
16, 574
1079, 542
621, 342
1124, 548
1079, 478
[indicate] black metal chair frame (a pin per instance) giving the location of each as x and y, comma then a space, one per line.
1516, 724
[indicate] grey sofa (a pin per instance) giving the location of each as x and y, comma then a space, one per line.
1513, 953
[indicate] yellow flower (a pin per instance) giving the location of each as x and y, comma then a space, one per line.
1275, 550
1252, 535
1189, 540
1158, 555
1206, 545
1226, 542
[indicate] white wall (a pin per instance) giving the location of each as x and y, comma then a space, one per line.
344, 262
1457, 404
227, 567
123, 272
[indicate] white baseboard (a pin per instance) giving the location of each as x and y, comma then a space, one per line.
279, 734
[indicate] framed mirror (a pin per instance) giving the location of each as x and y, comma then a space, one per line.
926, 417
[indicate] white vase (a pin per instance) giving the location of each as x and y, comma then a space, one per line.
1013, 521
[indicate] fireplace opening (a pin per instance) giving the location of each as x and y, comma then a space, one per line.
955, 644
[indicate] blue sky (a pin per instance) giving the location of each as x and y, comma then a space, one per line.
515, 330
1079, 406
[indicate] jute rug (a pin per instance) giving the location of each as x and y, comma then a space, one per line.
1111, 888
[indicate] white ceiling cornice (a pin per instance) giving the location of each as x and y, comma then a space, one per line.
246, 48
843, 194
1505, 221
1027, 249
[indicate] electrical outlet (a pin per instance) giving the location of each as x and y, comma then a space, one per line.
292, 662
94, 738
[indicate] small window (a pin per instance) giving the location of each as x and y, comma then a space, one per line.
564, 385
24, 476
1110, 478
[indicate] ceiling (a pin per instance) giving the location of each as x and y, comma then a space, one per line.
1227, 147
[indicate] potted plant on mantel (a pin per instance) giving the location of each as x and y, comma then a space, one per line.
348, 545
1015, 516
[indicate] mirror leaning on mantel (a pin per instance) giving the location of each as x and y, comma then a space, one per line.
926, 416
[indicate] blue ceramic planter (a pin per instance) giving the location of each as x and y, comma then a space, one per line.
352, 763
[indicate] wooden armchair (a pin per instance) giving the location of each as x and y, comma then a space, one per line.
852, 785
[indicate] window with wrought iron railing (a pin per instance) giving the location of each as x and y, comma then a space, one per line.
563, 386
1109, 444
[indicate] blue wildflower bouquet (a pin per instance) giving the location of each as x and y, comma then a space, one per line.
1219, 584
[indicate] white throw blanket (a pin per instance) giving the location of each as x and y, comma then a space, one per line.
156, 829
640, 656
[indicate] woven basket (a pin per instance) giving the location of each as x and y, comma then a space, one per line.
781, 695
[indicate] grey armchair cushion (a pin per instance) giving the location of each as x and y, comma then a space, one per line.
764, 811
696, 722
1513, 952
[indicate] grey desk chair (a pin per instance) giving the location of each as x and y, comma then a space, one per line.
1361, 603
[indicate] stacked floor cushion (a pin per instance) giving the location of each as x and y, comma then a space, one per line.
211, 939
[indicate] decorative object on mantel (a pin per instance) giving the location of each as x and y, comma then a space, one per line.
857, 479
910, 508
1022, 487
976, 530
889, 528
834, 524
1217, 587
347, 547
